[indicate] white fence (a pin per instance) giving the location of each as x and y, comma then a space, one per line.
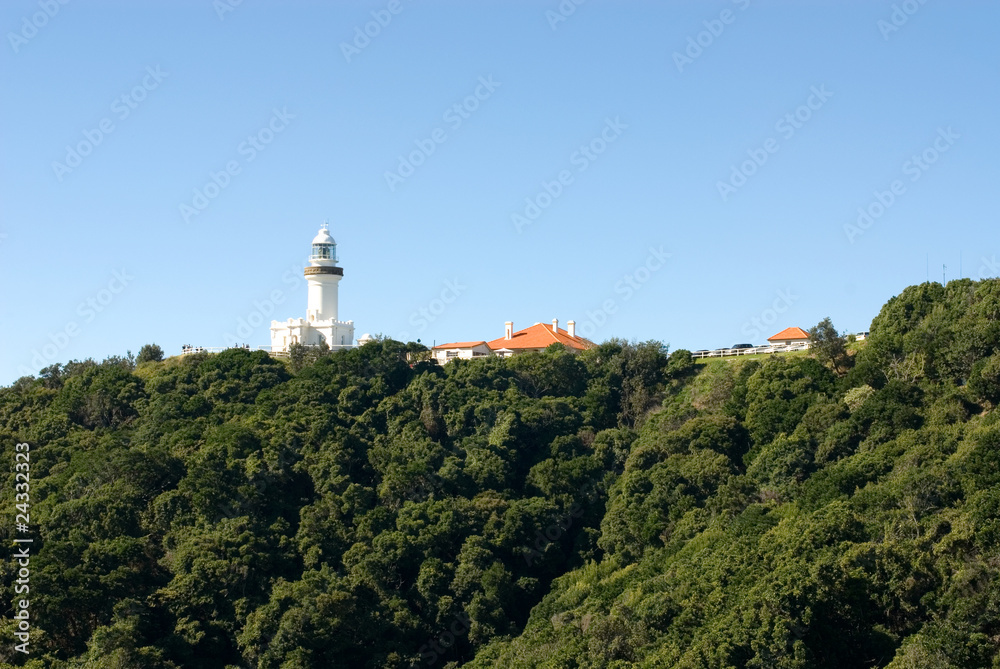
188, 350
728, 352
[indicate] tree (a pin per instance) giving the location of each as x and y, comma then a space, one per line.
554, 372
829, 346
779, 393
102, 396
302, 356
985, 379
680, 364
150, 353
626, 381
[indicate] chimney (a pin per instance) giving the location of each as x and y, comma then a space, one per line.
571, 328
508, 330
555, 325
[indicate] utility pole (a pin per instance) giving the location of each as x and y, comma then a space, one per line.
943, 268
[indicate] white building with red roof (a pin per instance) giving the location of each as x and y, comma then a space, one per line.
538, 337
444, 353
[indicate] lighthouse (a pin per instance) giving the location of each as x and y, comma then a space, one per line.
321, 324
324, 277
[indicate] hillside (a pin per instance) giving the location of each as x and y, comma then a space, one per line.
618, 508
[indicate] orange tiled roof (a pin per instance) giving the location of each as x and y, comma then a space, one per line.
790, 333
539, 335
460, 344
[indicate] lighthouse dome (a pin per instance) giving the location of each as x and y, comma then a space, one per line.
323, 237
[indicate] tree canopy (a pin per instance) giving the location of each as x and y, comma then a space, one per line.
616, 508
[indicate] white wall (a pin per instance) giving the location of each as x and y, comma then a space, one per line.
322, 305
441, 355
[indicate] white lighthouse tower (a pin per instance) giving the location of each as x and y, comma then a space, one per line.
324, 277
321, 324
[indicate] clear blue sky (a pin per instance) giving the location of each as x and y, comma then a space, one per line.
678, 128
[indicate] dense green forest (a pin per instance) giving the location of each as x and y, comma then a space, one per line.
614, 509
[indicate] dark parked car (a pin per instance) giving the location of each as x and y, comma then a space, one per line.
742, 345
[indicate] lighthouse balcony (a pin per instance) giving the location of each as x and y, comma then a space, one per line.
313, 270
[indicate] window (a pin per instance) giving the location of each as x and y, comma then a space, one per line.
451, 354
324, 252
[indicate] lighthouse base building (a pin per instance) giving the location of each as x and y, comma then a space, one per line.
336, 334
321, 325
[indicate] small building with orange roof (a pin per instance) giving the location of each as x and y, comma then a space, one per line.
789, 336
